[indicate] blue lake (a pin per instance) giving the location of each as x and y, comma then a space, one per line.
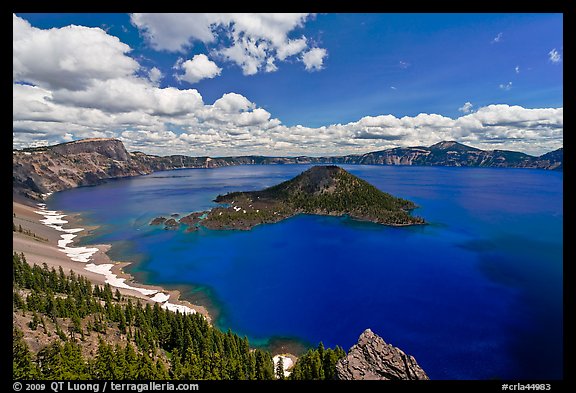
476, 294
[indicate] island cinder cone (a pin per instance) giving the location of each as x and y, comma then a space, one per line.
320, 190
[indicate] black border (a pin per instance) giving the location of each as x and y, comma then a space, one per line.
566, 7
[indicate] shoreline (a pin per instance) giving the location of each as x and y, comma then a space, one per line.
91, 262
100, 269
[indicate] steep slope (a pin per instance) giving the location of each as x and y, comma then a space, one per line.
372, 358
323, 190
66, 328
450, 153
552, 160
87, 162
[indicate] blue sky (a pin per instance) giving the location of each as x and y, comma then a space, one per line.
223, 84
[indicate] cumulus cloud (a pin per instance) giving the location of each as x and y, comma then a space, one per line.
198, 68
155, 75
70, 57
121, 103
252, 41
517, 69
233, 103
248, 53
554, 56
314, 59
466, 108
291, 48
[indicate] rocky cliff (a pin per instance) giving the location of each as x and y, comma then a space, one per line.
38, 171
372, 358
450, 153
43, 170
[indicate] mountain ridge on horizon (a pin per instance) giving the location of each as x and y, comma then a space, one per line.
41, 170
442, 145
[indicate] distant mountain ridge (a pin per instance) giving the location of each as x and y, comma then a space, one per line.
37, 171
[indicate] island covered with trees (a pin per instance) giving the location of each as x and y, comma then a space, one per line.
322, 190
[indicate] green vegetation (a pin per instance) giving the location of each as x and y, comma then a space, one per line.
325, 190
318, 363
151, 343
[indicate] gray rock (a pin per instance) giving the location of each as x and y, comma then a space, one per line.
372, 358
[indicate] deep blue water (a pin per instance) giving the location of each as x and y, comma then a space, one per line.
477, 294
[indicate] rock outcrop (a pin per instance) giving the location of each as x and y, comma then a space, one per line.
109, 148
372, 358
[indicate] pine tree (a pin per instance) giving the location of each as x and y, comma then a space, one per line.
131, 362
122, 323
73, 364
280, 368
50, 362
104, 365
22, 365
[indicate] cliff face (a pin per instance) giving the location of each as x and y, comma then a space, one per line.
42, 170
107, 148
451, 153
372, 358
87, 162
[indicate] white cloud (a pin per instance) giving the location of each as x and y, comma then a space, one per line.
175, 32
233, 103
270, 66
466, 108
291, 48
70, 57
119, 103
252, 41
554, 56
314, 59
155, 75
517, 69
256, 117
131, 94
247, 53
403, 64
497, 39
393, 87
233, 125
198, 68
505, 86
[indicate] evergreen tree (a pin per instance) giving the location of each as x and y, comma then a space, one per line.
131, 360
167, 344
73, 364
50, 362
22, 365
280, 368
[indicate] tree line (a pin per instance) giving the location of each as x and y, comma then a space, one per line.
156, 343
